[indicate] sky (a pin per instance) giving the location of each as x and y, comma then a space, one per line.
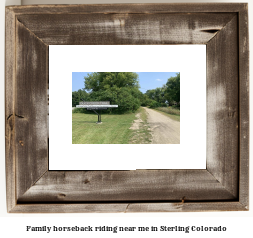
147, 80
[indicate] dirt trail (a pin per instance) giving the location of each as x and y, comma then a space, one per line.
164, 130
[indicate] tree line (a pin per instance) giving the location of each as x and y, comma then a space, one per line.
123, 89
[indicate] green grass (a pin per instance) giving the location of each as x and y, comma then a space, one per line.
113, 130
143, 134
172, 113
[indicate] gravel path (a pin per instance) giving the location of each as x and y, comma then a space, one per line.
164, 130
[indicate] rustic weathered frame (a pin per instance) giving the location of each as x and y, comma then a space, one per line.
223, 186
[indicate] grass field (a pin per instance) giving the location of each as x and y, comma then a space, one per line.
173, 113
142, 135
113, 130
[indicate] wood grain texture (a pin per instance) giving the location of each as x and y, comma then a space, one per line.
155, 8
30, 109
129, 207
223, 186
244, 106
9, 109
133, 29
186, 207
139, 185
222, 107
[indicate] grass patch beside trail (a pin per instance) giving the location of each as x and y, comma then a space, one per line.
113, 130
173, 113
141, 135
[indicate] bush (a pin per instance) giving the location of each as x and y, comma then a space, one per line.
154, 104
164, 104
126, 101
120, 88
78, 110
144, 100
126, 98
176, 106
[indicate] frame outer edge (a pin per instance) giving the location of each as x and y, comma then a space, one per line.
128, 207
244, 106
10, 60
128, 8
10, 64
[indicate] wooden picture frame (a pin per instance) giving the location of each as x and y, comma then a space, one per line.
222, 186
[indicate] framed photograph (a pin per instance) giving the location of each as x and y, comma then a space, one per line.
32, 35
140, 104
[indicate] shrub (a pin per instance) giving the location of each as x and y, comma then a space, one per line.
126, 98
154, 104
78, 110
164, 104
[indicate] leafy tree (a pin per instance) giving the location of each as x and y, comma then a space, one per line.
157, 94
127, 101
169, 93
120, 88
154, 104
172, 90
151, 94
77, 96
144, 100
106, 80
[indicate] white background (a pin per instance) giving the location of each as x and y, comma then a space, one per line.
239, 223
190, 61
